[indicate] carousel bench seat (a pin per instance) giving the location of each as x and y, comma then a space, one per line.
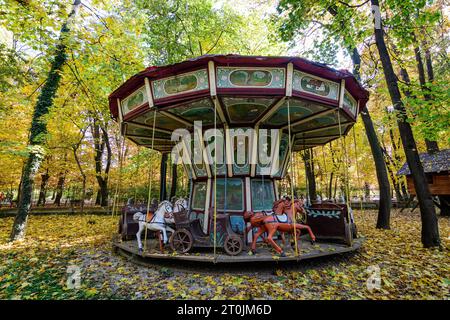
330, 221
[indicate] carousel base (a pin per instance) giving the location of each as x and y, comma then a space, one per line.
264, 253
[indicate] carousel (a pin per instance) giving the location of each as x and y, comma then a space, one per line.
235, 124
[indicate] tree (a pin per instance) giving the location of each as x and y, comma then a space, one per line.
344, 27
430, 231
173, 185
102, 149
38, 129
309, 169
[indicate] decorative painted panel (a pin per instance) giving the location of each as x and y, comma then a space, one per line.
211, 152
230, 194
237, 224
187, 82
148, 141
265, 150
307, 83
350, 103
161, 121
235, 77
317, 123
334, 131
282, 153
244, 110
298, 109
199, 196
134, 100
139, 131
200, 110
197, 159
332, 214
240, 142
263, 194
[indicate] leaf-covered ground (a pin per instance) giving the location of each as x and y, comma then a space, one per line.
38, 267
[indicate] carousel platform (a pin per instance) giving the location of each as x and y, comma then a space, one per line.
265, 253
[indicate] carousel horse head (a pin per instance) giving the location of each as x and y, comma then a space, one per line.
255, 219
180, 205
166, 210
279, 206
248, 215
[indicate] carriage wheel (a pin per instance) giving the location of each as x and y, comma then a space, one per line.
233, 245
181, 241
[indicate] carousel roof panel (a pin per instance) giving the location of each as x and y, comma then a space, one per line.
169, 73
197, 110
298, 109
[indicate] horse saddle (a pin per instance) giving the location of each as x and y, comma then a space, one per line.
149, 216
282, 218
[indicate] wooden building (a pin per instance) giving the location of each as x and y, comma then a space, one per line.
437, 170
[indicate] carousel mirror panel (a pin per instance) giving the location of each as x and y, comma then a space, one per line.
199, 196
230, 194
180, 84
236, 77
134, 100
313, 85
263, 194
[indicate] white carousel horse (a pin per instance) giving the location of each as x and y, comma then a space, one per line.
162, 216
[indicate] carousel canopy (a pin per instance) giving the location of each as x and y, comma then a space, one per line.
232, 91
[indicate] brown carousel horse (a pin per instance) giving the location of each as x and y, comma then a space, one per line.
278, 221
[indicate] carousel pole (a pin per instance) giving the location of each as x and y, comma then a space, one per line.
149, 184
215, 182
294, 212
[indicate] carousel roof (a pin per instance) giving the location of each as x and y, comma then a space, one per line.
246, 91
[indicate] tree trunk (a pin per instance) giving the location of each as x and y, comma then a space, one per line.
104, 192
163, 171
173, 186
98, 198
83, 175
43, 191
60, 188
330, 186
430, 231
309, 168
101, 141
384, 209
39, 129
